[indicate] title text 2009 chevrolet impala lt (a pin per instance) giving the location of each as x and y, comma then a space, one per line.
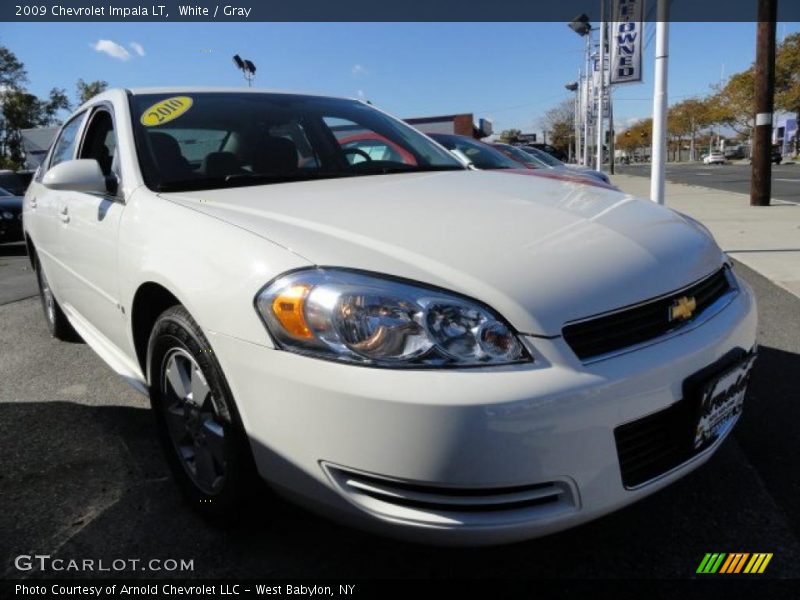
313, 291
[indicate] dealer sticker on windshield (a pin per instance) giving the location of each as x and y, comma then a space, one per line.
722, 401
165, 110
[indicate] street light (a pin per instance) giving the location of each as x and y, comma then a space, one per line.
247, 68
580, 25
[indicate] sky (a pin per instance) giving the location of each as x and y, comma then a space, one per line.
510, 73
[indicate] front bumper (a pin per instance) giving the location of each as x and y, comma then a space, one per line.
346, 440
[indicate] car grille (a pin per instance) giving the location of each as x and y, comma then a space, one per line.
655, 444
629, 327
452, 505
649, 447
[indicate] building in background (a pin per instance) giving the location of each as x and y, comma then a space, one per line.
784, 133
461, 124
36, 143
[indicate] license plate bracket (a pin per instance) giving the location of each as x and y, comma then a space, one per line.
721, 398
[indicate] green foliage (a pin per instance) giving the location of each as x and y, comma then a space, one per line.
85, 91
509, 135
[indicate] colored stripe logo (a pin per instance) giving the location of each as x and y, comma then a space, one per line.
735, 562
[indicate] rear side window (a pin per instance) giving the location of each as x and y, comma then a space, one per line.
65, 146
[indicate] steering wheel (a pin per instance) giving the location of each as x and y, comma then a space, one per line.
358, 151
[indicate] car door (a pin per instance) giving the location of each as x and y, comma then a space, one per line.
43, 205
89, 231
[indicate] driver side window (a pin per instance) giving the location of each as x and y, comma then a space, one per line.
100, 141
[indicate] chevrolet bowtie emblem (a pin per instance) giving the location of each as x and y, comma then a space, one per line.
682, 309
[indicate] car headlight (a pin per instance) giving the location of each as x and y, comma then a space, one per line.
367, 319
7, 215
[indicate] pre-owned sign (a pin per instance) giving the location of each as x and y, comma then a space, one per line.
627, 41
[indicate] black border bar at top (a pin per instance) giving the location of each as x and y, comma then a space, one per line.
371, 11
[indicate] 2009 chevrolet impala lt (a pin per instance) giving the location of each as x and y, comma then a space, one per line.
314, 292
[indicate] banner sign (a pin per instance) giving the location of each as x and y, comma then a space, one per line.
595, 86
627, 41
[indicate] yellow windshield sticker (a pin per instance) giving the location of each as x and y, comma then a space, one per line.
166, 110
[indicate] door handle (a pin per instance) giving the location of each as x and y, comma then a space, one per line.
65, 214
33, 203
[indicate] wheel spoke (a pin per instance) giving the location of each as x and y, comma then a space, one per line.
199, 387
204, 467
215, 440
176, 422
178, 378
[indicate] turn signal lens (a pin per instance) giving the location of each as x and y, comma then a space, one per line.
289, 309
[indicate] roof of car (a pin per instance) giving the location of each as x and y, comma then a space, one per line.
238, 90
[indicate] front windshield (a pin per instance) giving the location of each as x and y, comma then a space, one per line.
481, 155
193, 141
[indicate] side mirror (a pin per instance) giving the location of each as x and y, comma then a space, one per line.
81, 175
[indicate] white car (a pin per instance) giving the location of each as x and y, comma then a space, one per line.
427, 351
715, 158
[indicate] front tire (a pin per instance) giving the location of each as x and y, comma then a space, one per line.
199, 428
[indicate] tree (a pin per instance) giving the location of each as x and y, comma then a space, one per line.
559, 122
733, 104
12, 72
87, 90
635, 137
508, 136
687, 119
22, 110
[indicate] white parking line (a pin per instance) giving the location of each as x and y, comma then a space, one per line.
793, 180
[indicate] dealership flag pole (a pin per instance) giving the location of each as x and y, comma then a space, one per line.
659, 148
601, 65
587, 102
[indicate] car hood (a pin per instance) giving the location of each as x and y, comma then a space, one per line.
541, 252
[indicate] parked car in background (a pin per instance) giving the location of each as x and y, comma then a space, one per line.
775, 155
486, 157
551, 150
429, 351
714, 158
10, 217
518, 154
15, 182
553, 162
736, 153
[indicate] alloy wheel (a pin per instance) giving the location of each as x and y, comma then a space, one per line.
194, 427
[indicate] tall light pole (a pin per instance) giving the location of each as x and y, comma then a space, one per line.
573, 87
658, 154
583, 28
601, 92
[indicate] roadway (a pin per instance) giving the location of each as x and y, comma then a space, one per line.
733, 177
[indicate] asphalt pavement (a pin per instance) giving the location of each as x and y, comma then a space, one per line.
83, 477
734, 177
